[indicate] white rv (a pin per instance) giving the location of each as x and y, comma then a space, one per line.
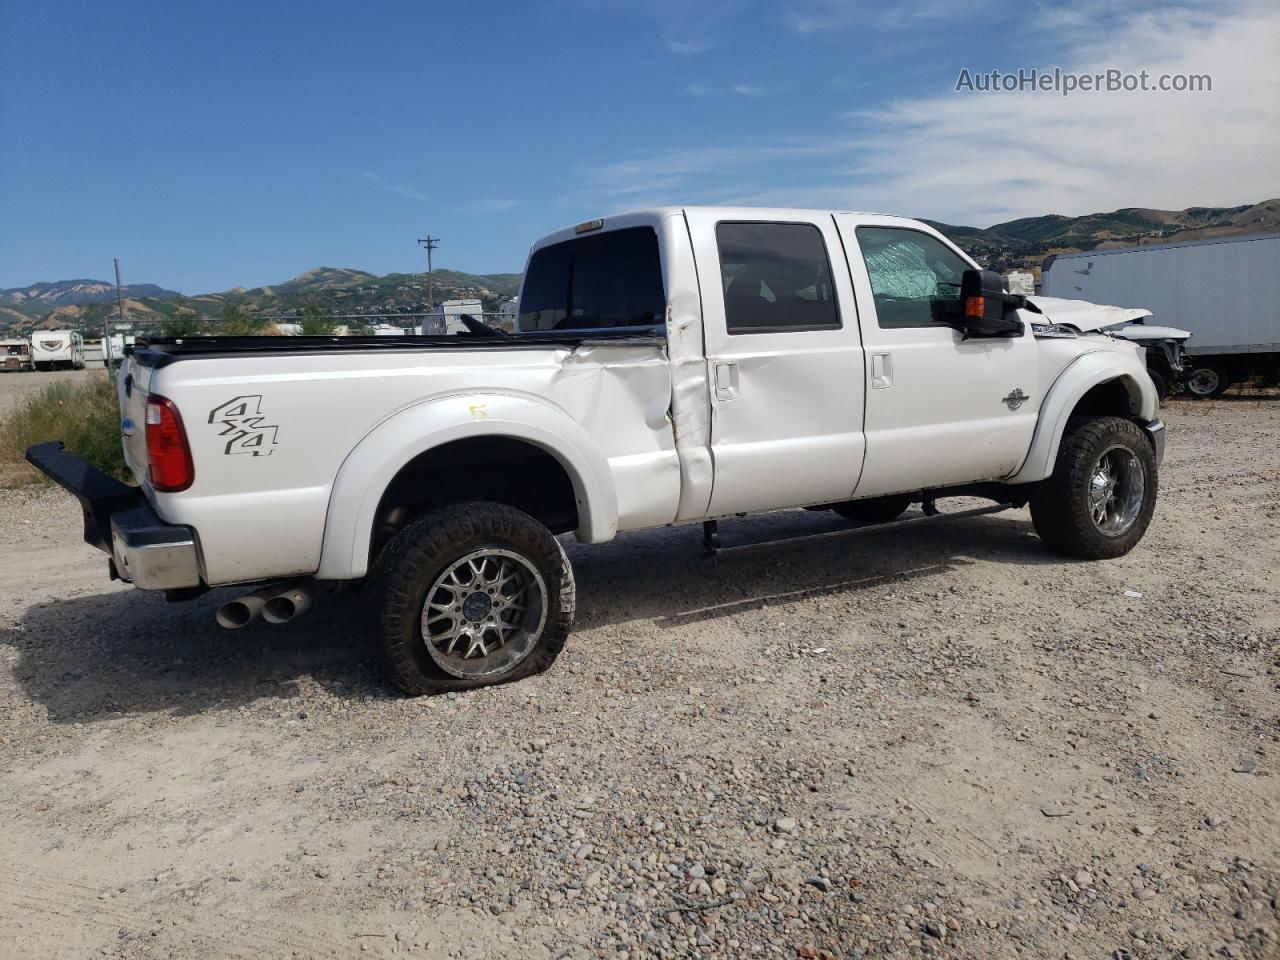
57, 349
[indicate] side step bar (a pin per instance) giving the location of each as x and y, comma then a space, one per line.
713, 548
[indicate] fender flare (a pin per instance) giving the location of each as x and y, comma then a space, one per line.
370, 467
1078, 378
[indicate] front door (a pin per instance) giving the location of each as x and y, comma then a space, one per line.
784, 362
941, 408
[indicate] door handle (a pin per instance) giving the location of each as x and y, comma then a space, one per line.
881, 371
726, 373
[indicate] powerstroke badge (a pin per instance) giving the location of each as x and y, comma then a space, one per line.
1015, 399
241, 420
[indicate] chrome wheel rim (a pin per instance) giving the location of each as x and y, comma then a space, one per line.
1203, 381
1117, 483
484, 613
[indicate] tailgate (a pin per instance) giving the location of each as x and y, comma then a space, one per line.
133, 416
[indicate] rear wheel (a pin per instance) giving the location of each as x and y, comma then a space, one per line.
1099, 500
1208, 380
469, 596
875, 509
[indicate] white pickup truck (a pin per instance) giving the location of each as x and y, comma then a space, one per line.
670, 365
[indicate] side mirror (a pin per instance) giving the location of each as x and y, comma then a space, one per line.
986, 302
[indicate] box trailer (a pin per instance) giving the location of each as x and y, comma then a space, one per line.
1225, 291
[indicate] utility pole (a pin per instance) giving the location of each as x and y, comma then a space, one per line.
106, 325
430, 243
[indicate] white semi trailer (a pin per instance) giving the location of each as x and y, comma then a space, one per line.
1225, 291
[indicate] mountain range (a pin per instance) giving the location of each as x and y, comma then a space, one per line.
1025, 242
80, 304
1021, 243
62, 292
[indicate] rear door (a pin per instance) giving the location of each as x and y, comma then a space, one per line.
941, 409
784, 361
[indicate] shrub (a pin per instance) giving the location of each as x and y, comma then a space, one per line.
239, 322
317, 322
184, 323
85, 416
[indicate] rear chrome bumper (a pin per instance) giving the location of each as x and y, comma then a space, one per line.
119, 521
1155, 433
152, 554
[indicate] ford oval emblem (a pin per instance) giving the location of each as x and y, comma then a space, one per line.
128, 427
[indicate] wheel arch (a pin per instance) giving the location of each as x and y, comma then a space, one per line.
1102, 382
379, 458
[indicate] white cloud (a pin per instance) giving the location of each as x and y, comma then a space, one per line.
986, 157
822, 16
980, 158
687, 27
397, 188
494, 204
687, 48
740, 89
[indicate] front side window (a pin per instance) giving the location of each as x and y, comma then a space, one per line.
597, 282
776, 277
915, 277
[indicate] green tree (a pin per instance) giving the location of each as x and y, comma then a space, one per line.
238, 322
317, 321
185, 322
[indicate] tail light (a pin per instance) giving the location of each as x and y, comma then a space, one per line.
168, 453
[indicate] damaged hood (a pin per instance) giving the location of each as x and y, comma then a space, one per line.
1085, 316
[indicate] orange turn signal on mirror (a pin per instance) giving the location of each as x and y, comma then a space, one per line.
974, 307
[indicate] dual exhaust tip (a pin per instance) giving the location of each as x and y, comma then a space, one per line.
274, 604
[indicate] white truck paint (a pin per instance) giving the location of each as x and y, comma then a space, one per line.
783, 358
57, 349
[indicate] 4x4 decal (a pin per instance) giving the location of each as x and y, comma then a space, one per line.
241, 420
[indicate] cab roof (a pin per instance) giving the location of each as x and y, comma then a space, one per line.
653, 215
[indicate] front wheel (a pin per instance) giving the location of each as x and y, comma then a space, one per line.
1099, 499
469, 596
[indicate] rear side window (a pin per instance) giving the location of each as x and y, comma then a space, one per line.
776, 278
915, 277
604, 281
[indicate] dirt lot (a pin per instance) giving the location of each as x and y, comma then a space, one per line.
17, 387
945, 742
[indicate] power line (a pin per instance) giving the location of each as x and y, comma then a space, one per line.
430, 243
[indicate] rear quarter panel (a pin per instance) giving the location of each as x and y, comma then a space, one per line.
269, 435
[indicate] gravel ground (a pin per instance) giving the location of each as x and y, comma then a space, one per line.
17, 387
943, 742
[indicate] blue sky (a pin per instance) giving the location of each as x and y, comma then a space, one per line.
213, 145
